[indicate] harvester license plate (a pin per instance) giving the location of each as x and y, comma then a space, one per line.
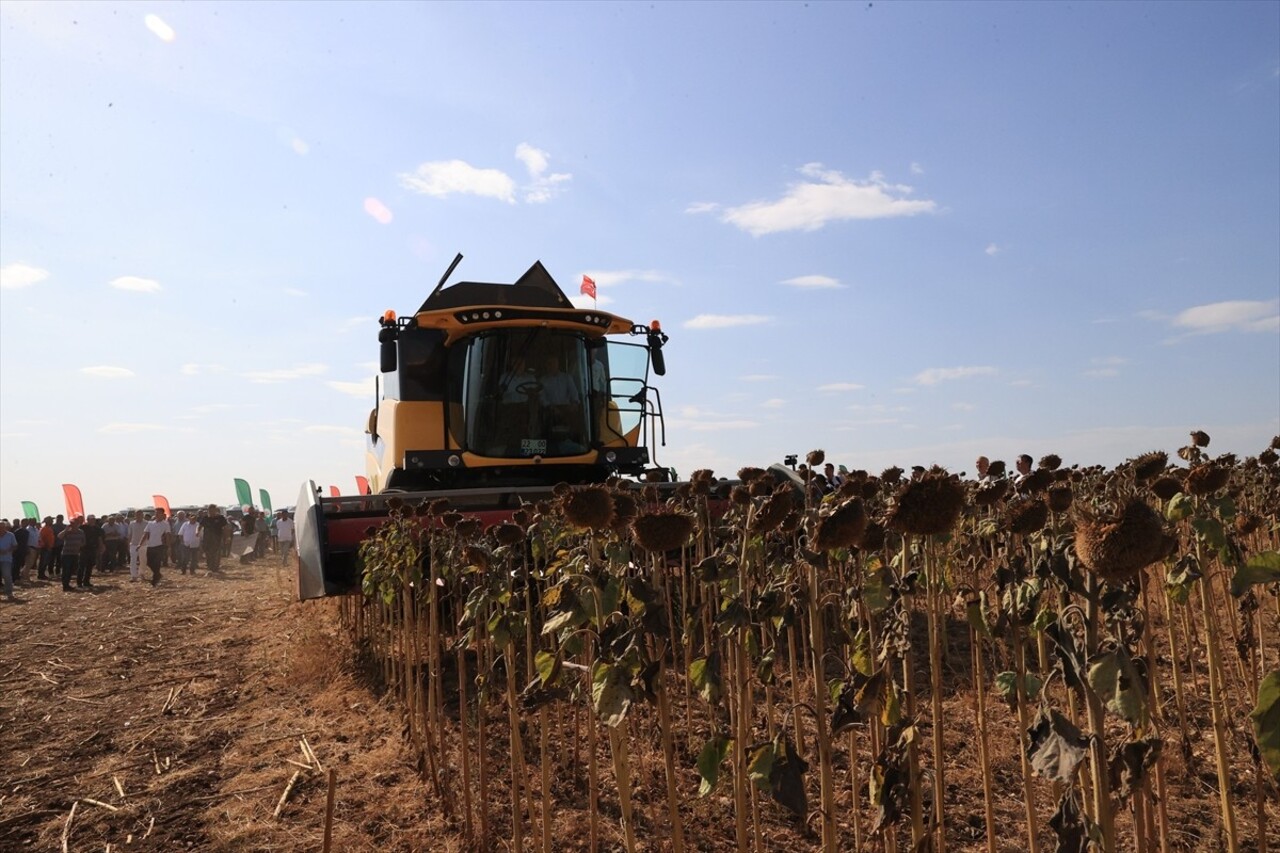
533, 447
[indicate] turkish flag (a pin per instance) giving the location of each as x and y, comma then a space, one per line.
589, 286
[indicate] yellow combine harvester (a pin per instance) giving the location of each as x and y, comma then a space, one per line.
488, 396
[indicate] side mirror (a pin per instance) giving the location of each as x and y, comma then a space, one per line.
372, 426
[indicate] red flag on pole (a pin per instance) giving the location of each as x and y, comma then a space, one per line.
362, 484
333, 492
75, 503
589, 286
161, 502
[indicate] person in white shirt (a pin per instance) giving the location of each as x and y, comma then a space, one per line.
284, 534
188, 543
137, 526
154, 538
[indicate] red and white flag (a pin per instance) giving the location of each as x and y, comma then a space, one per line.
589, 286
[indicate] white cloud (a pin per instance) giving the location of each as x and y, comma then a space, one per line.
963, 407
363, 388
293, 291
1022, 383
773, 403
125, 428
136, 284
840, 386
284, 375
826, 197
1101, 373
1236, 315
713, 426
355, 323
443, 178
725, 321
1108, 361
992, 249
542, 187
15, 276
814, 282
702, 207
103, 371
934, 375
917, 169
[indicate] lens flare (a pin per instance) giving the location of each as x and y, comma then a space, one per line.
377, 210
163, 31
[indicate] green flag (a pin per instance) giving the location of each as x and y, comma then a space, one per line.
266, 501
244, 496
30, 510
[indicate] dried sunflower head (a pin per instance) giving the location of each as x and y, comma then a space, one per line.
1051, 461
991, 493
1200, 438
1060, 498
760, 487
662, 530
873, 537
843, 527
1268, 457
451, 519
469, 528
774, 510
1166, 487
590, 507
892, 476
929, 505
1036, 482
1117, 547
561, 489
1026, 516
1247, 523
1150, 465
702, 474
1207, 479
740, 495
996, 468
870, 487
815, 458
508, 534
748, 474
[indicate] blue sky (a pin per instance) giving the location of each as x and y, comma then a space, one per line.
905, 233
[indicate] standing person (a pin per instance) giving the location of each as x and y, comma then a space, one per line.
32, 532
58, 526
47, 540
983, 465
189, 544
8, 544
89, 554
72, 540
137, 527
284, 531
1024, 468
212, 529
19, 554
110, 543
155, 537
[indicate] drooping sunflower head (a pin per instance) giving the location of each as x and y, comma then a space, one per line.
929, 505
590, 507
663, 530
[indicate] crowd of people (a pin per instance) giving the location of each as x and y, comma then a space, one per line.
72, 551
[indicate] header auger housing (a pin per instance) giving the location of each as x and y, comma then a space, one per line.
488, 396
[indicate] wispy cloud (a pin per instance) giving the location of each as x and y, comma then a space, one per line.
814, 282
363, 388
284, 374
1231, 316
293, 291
702, 207
917, 169
1105, 367
832, 387
193, 369
826, 196
992, 250
103, 371
16, 276
125, 428
543, 185
757, 377
725, 321
442, 178
136, 284
963, 407
934, 375
774, 403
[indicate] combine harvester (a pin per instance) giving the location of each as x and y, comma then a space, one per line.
490, 395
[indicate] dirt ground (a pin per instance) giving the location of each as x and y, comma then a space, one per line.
179, 712
172, 718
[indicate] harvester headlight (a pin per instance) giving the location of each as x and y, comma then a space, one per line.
486, 315
454, 460
611, 457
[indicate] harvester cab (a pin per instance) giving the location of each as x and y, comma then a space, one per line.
488, 396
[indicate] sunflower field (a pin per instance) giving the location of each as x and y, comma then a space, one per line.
1080, 659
